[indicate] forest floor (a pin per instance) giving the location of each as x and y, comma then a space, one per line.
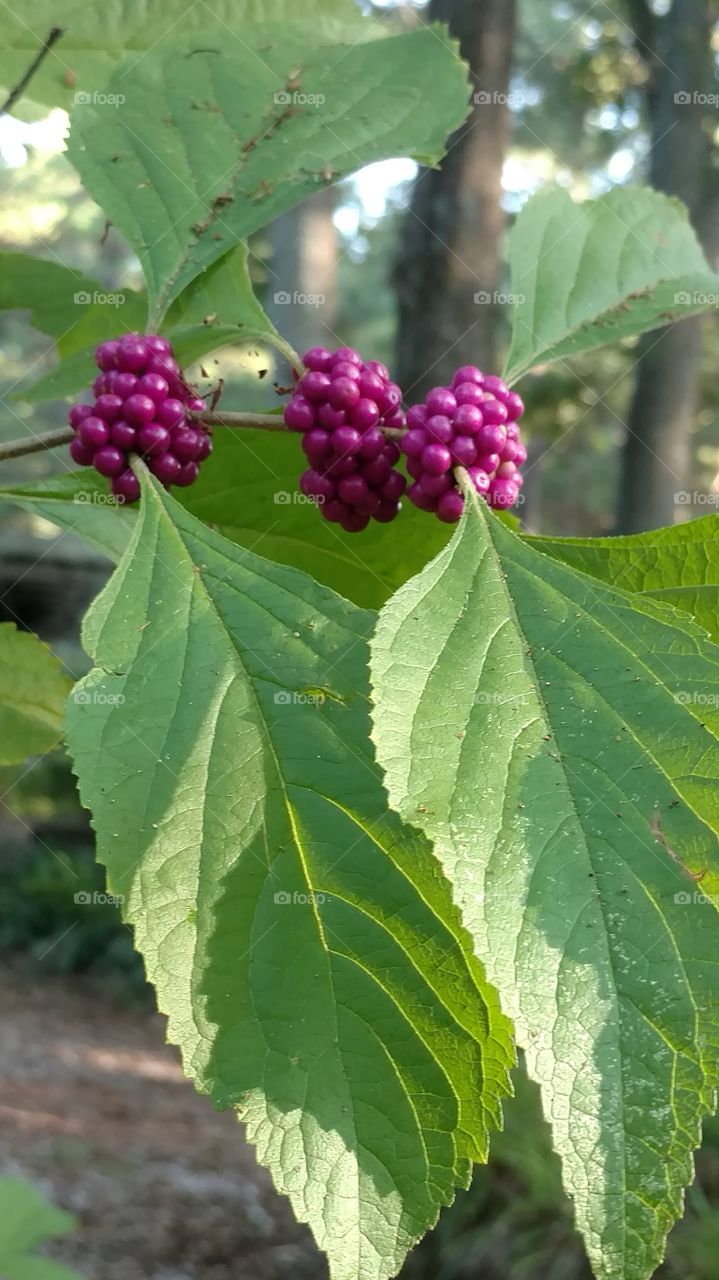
95, 1111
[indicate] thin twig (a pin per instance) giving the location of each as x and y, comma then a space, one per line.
22, 84
265, 421
35, 444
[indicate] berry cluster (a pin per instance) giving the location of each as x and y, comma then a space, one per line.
141, 405
344, 405
472, 424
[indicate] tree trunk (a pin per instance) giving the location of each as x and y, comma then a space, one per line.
657, 456
448, 268
301, 296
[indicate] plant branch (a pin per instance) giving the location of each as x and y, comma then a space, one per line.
16, 93
35, 444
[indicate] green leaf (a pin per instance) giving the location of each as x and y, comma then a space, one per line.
27, 1219
97, 34
208, 145
66, 304
33, 689
586, 275
249, 490
679, 565
302, 942
556, 739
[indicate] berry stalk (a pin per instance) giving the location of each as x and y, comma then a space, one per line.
35, 444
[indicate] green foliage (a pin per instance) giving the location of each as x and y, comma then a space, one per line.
33, 689
210, 145
64, 303
569, 787
607, 269
249, 491
27, 1220
303, 944
97, 34
679, 565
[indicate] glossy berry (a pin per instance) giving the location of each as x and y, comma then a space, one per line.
141, 406
343, 406
473, 425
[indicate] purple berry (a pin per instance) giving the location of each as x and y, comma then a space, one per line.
375, 366
436, 458
372, 444
414, 442
171, 413
109, 408
514, 405
335, 511
441, 401
352, 489
187, 474
81, 454
468, 419
206, 446
464, 450
166, 468
156, 345
314, 386
393, 487
78, 413
469, 393
185, 443
468, 373
123, 436
106, 355
299, 414
364, 414
343, 393
494, 412
121, 384
126, 486
154, 386
479, 479
370, 385
417, 495
440, 429
491, 438
152, 440
496, 386
503, 492
488, 462
138, 410
93, 433
330, 418
131, 355
349, 355
109, 461
435, 485
375, 473
314, 485
386, 512
417, 415
346, 440
355, 522
450, 506
318, 359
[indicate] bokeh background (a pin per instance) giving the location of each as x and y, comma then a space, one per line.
409, 267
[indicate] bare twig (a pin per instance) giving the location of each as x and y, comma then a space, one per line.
35, 444
16, 93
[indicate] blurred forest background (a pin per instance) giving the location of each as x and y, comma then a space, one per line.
408, 267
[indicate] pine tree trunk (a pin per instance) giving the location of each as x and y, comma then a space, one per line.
448, 268
657, 456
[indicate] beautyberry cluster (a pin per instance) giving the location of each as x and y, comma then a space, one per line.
472, 424
141, 405
343, 405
